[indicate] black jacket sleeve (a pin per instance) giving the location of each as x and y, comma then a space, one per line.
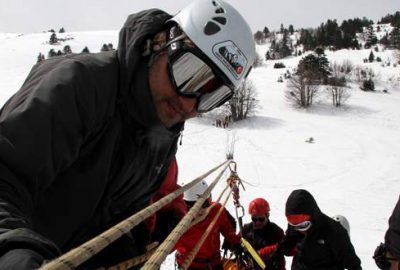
289, 242
392, 236
42, 128
343, 250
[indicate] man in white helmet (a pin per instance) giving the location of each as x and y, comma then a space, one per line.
343, 221
208, 256
88, 138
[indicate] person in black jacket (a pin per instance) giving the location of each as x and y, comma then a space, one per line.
387, 255
261, 232
88, 139
315, 240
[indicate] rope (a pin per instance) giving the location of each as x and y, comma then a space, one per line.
79, 255
233, 182
168, 245
142, 258
210, 227
134, 261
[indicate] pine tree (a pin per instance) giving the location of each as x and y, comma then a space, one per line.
394, 38
67, 49
313, 67
40, 58
333, 34
51, 53
53, 39
291, 29
321, 35
394, 19
319, 51
385, 40
371, 39
85, 50
307, 40
104, 48
110, 46
266, 32
371, 57
62, 30
259, 37
283, 47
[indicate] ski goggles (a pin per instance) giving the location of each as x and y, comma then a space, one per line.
193, 75
190, 204
302, 227
258, 219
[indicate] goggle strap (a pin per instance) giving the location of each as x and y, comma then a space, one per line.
162, 47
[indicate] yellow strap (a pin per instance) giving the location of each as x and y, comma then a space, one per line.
247, 246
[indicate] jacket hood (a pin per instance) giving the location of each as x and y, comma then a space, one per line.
135, 94
137, 29
301, 201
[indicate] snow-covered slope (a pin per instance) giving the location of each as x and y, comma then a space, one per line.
352, 168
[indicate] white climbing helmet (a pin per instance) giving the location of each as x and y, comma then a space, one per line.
343, 221
195, 192
222, 34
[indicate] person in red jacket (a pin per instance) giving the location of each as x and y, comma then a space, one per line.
164, 221
209, 256
261, 231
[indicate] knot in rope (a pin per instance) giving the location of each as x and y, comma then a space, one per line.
233, 181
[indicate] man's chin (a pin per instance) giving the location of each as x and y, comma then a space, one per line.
170, 121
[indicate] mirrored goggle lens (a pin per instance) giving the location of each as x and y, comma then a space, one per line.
302, 227
191, 74
214, 99
193, 77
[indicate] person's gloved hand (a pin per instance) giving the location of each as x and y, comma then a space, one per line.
21, 259
289, 242
380, 257
238, 249
266, 252
226, 245
273, 262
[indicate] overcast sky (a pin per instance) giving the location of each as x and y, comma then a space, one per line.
80, 15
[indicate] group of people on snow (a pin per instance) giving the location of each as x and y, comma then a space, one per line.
315, 240
91, 139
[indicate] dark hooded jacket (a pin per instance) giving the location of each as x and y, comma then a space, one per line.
392, 237
268, 235
81, 147
326, 245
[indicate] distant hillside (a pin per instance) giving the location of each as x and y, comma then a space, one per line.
350, 34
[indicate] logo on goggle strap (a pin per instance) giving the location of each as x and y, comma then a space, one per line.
231, 57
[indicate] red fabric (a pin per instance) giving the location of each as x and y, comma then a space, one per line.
169, 185
266, 252
297, 219
210, 250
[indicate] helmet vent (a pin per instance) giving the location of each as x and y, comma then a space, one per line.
219, 10
221, 20
211, 28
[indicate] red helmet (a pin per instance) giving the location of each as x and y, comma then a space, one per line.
258, 207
